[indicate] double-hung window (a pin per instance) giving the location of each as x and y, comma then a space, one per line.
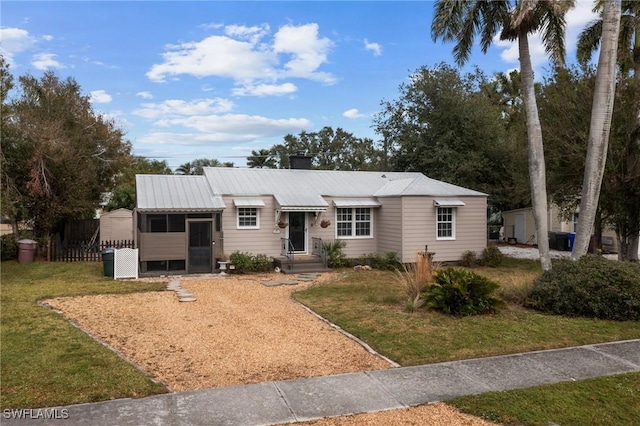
446, 223
248, 218
353, 222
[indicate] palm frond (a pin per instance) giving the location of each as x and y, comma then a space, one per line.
589, 41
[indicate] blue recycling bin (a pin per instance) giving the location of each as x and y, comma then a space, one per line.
572, 237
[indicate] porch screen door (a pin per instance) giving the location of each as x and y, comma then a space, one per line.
297, 231
199, 247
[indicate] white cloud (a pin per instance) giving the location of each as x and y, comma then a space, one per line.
14, 40
177, 108
100, 97
225, 129
145, 95
376, 48
47, 37
266, 90
248, 57
307, 50
119, 118
248, 127
43, 61
352, 113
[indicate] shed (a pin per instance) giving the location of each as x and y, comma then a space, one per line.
116, 225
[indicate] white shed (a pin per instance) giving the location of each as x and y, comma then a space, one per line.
116, 225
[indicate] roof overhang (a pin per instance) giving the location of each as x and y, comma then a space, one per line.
303, 208
248, 202
356, 203
449, 202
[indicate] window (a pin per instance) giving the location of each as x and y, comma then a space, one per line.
445, 223
248, 217
353, 222
575, 222
157, 223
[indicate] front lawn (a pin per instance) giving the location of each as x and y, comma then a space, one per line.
370, 305
45, 361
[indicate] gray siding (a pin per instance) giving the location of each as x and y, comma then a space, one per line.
389, 229
162, 245
116, 225
265, 240
419, 228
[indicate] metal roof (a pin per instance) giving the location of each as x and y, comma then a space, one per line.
297, 187
178, 193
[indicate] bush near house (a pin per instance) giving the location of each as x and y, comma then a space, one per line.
491, 257
248, 262
335, 253
591, 287
8, 247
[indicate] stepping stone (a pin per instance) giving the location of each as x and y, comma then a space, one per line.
183, 293
289, 282
271, 283
187, 299
305, 279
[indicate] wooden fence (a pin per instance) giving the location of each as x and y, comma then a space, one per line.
84, 251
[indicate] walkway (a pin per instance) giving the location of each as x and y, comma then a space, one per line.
317, 397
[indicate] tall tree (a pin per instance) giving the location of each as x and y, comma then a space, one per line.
58, 154
123, 194
331, 150
196, 167
450, 127
460, 21
628, 58
262, 159
601, 113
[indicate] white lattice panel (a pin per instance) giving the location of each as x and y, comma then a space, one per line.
125, 263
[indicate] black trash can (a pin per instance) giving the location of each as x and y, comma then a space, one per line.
107, 262
562, 241
26, 250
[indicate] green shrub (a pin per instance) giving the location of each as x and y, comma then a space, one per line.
335, 255
458, 291
8, 247
247, 262
388, 262
591, 287
469, 259
491, 257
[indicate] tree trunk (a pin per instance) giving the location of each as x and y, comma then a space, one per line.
601, 111
537, 172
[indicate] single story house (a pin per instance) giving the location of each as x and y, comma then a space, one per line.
520, 224
188, 223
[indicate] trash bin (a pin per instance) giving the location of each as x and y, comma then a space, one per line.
553, 243
26, 250
572, 238
562, 241
107, 262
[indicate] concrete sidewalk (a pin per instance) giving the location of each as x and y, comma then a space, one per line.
317, 397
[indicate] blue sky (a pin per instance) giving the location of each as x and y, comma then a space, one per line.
203, 79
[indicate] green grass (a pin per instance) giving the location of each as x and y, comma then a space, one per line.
44, 360
371, 306
613, 400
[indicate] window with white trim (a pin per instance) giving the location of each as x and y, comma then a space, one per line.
446, 223
353, 222
248, 218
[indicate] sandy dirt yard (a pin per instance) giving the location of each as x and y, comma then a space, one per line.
237, 332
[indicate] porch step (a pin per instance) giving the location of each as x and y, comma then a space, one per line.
301, 264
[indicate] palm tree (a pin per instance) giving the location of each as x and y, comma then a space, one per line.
460, 21
261, 159
629, 60
601, 112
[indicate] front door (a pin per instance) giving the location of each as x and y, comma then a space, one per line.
298, 231
199, 247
